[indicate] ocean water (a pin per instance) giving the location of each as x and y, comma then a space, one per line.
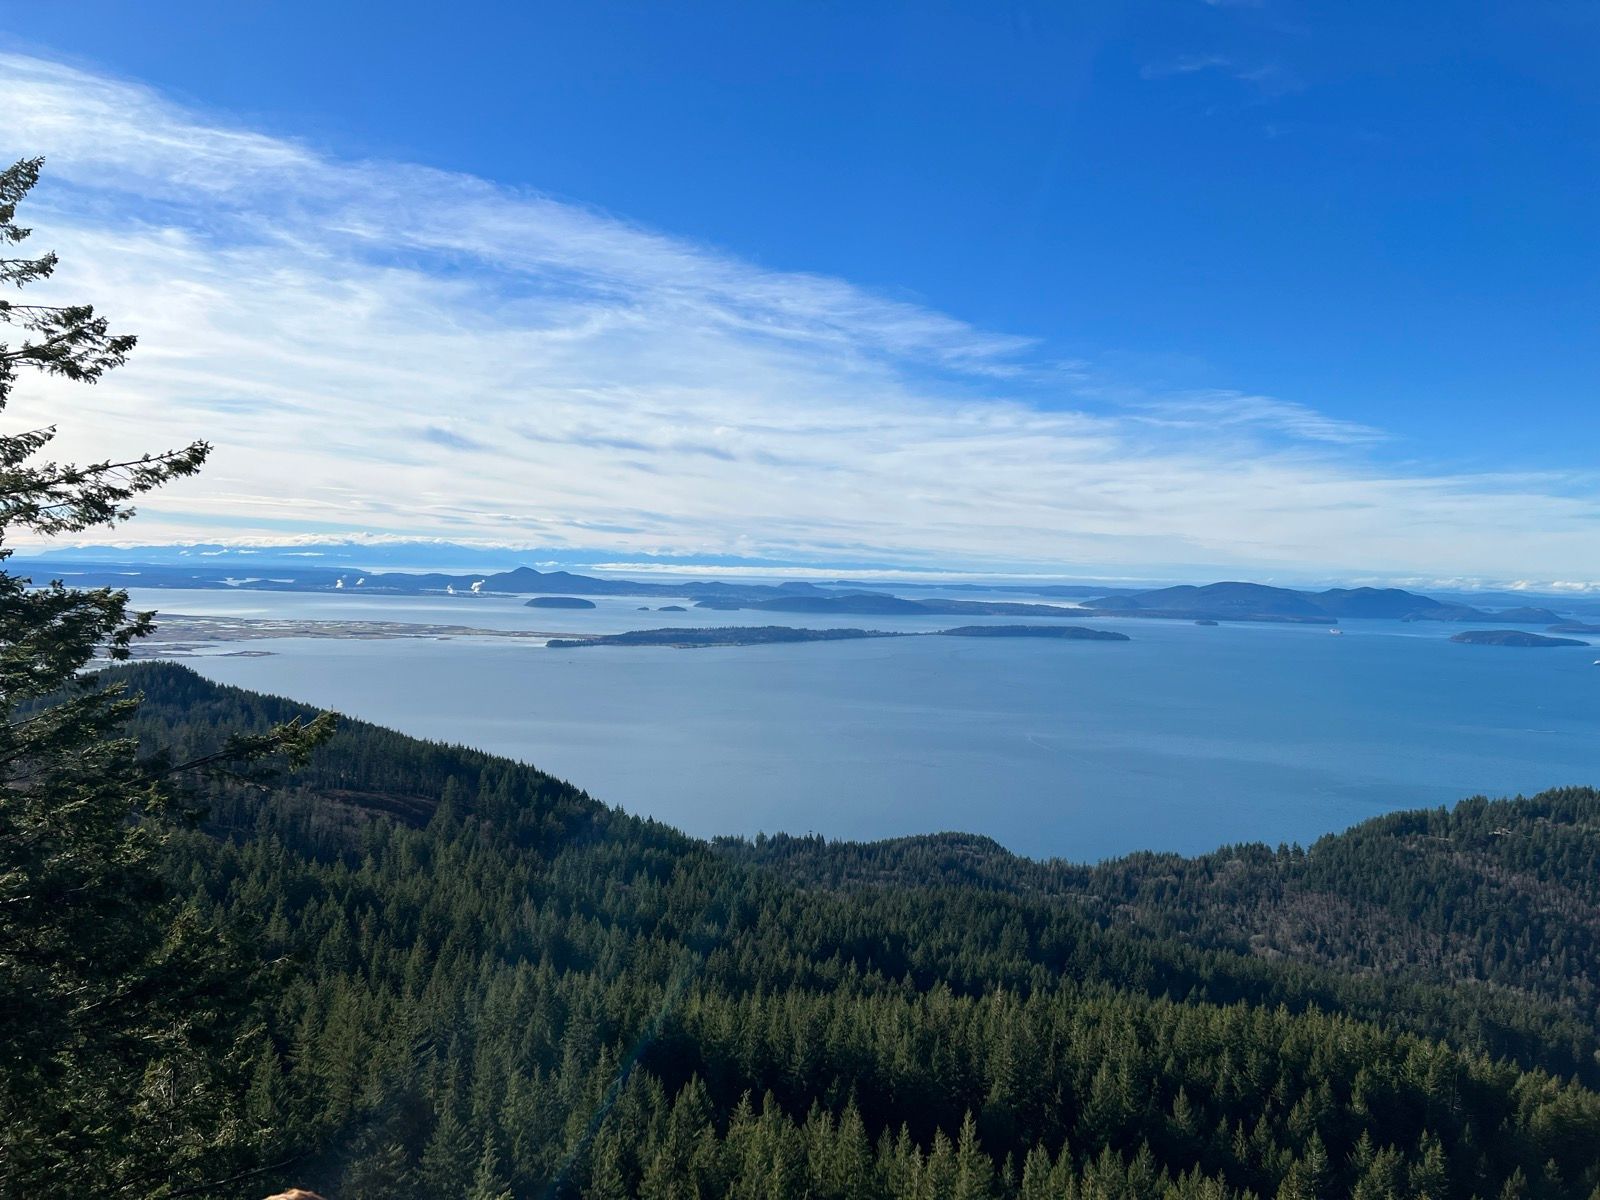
1185, 738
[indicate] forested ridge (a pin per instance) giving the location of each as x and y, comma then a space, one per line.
487, 984
1500, 894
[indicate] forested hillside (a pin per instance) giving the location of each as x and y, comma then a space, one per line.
1494, 896
489, 985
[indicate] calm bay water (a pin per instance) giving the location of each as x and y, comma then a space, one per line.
1183, 739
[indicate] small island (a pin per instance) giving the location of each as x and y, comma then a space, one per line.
1574, 627
672, 608
1070, 632
559, 602
730, 635
765, 635
1205, 621
1512, 637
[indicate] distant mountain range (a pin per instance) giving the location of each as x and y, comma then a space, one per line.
1212, 602
882, 604
1227, 601
1258, 602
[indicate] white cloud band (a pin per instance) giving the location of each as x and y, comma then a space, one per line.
388, 348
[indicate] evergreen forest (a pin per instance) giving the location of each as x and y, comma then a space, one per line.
471, 979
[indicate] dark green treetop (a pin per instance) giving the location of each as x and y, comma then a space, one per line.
125, 1014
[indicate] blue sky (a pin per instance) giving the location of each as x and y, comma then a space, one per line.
1172, 286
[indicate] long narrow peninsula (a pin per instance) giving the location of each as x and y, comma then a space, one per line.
763, 635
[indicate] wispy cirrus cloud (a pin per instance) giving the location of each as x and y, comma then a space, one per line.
395, 350
1187, 64
1219, 409
1268, 78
